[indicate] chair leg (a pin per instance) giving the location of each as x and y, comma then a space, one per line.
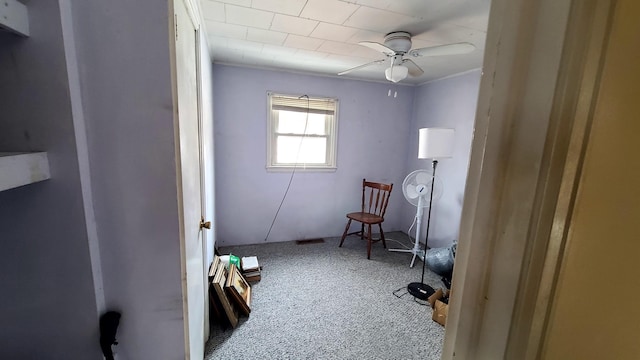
344, 235
369, 242
384, 244
362, 231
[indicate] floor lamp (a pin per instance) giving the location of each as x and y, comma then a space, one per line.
434, 144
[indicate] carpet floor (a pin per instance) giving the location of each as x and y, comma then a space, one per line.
319, 301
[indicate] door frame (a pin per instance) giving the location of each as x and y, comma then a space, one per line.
541, 70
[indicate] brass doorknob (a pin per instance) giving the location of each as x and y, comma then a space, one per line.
205, 224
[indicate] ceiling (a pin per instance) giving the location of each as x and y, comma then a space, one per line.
321, 36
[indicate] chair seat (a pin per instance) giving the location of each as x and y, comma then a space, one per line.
365, 217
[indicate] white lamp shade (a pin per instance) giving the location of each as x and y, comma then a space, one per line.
435, 143
396, 73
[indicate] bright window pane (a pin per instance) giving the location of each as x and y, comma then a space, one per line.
292, 122
312, 151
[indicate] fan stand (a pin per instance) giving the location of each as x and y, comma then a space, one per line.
416, 251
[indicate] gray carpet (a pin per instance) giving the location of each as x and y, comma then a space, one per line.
319, 301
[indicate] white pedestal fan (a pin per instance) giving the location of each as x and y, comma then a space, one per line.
416, 188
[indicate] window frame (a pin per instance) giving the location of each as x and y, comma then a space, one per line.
331, 129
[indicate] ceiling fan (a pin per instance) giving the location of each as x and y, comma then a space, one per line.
397, 44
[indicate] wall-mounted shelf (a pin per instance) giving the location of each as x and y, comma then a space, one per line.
18, 169
14, 17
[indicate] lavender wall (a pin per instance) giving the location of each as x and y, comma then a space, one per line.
451, 103
372, 143
123, 52
47, 306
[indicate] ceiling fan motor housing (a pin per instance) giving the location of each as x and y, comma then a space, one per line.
398, 41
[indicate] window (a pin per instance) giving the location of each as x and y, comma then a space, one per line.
302, 132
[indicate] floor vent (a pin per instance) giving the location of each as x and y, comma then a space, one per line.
309, 241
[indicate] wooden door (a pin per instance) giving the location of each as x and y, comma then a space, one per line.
189, 175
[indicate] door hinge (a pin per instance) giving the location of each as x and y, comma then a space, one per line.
175, 21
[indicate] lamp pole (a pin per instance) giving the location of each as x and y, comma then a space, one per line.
421, 290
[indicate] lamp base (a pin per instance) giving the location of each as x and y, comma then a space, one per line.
420, 290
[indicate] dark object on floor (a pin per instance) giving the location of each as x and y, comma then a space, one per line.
446, 280
375, 197
419, 290
309, 241
109, 322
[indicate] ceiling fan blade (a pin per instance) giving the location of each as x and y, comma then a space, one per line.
414, 69
362, 66
450, 49
377, 47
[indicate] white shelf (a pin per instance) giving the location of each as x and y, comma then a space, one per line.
18, 169
14, 17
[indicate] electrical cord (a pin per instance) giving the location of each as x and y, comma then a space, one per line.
295, 166
408, 236
397, 291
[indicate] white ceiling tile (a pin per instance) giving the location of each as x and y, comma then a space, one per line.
293, 25
218, 41
266, 36
451, 33
302, 42
380, 4
246, 46
245, 3
353, 50
248, 17
310, 55
378, 20
435, 11
241, 35
474, 21
213, 10
426, 8
287, 7
366, 35
331, 11
276, 50
333, 32
340, 48
226, 30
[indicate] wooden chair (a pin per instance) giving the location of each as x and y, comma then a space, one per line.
375, 197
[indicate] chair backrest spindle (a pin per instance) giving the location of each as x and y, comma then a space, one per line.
378, 197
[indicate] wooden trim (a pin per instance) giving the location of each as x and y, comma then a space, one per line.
526, 85
569, 127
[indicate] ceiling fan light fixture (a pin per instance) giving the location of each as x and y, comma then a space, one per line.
396, 73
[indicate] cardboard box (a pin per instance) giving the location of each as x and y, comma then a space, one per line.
435, 296
440, 311
440, 308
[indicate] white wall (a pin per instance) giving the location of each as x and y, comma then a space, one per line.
123, 52
450, 103
47, 307
372, 143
